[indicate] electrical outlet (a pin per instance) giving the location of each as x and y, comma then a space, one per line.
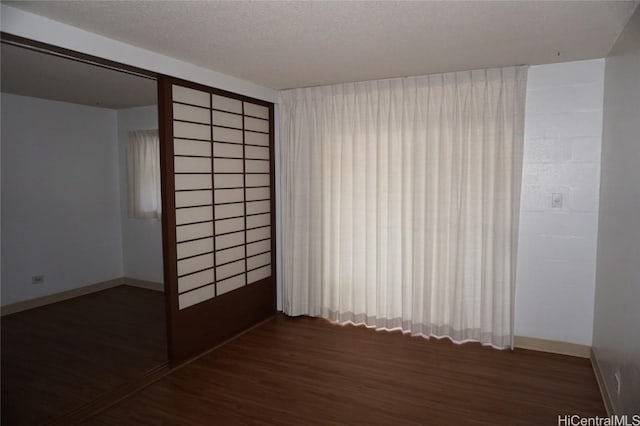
37, 279
618, 381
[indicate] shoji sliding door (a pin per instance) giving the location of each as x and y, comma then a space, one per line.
218, 214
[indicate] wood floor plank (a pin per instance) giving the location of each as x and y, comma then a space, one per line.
58, 357
293, 371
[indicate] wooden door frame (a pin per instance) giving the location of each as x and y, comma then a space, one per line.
237, 310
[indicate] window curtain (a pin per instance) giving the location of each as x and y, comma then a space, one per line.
400, 202
143, 174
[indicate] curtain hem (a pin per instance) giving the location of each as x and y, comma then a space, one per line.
425, 330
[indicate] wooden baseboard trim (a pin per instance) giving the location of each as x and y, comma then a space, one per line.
112, 397
602, 384
59, 297
552, 346
149, 285
77, 292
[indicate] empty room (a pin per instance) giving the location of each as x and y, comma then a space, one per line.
320, 212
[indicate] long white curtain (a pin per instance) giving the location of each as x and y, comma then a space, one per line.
400, 202
143, 174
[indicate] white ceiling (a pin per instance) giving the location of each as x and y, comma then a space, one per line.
29, 73
307, 43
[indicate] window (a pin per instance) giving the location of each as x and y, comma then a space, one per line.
143, 175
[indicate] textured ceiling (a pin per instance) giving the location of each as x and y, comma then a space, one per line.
306, 43
30, 73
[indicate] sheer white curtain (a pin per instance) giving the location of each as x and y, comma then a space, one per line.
400, 202
143, 174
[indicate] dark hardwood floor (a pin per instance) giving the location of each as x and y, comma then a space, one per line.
57, 357
301, 371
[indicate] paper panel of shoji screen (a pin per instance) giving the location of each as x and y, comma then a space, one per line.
228, 187
193, 169
223, 194
257, 191
230, 210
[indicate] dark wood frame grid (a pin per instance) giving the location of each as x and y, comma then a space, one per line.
203, 325
244, 195
198, 327
213, 198
214, 204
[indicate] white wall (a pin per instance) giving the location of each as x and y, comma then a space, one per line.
60, 197
616, 334
141, 238
557, 249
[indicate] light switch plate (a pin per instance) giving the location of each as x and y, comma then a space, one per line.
556, 200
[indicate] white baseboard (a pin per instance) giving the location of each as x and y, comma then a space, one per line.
553, 346
604, 391
149, 285
59, 297
77, 292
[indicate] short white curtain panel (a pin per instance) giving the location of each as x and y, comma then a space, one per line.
143, 175
400, 202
